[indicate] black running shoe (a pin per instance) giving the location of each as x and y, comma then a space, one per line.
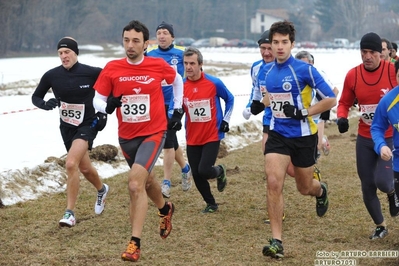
210, 208
274, 250
393, 204
222, 180
322, 202
379, 232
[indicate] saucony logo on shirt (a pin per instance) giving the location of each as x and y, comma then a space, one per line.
137, 90
139, 79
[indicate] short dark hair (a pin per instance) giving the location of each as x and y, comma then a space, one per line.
395, 46
138, 27
190, 51
389, 45
283, 27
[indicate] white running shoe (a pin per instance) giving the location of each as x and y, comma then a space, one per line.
68, 220
100, 202
186, 180
165, 187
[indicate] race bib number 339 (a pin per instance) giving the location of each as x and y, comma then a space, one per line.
135, 108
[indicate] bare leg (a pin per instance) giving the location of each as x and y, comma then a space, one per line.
78, 158
168, 160
179, 156
137, 179
275, 168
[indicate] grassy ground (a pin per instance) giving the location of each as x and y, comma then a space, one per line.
235, 235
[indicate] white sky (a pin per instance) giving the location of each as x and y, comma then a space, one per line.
29, 136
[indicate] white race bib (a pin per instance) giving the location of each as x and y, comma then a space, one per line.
277, 100
72, 113
199, 110
135, 108
367, 112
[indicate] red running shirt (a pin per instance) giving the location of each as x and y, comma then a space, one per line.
368, 87
142, 112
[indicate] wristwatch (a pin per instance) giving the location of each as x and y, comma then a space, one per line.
304, 112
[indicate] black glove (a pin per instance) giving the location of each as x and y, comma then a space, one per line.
51, 104
257, 107
224, 127
325, 115
175, 121
113, 103
293, 112
99, 122
343, 125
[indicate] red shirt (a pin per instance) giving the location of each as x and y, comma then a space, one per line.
204, 114
142, 112
368, 87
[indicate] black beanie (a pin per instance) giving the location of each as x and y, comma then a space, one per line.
264, 38
371, 41
68, 43
167, 26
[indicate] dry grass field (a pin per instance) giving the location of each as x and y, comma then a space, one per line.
234, 235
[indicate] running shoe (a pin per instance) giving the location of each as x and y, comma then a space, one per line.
165, 187
267, 221
393, 204
379, 232
222, 180
210, 208
165, 222
132, 252
186, 180
68, 220
274, 250
316, 174
100, 203
322, 202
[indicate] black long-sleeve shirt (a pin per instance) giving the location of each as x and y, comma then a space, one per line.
73, 86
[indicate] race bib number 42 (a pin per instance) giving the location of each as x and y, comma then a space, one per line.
199, 110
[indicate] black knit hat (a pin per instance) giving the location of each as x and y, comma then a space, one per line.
167, 26
264, 38
371, 41
70, 43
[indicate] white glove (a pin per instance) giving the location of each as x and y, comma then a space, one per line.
246, 113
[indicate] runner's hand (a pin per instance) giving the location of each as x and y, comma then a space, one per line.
175, 121
113, 103
257, 107
100, 121
224, 127
343, 125
51, 104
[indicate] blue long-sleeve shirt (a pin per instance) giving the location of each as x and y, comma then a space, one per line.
386, 115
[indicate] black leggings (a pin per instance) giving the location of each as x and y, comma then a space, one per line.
374, 173
201, 160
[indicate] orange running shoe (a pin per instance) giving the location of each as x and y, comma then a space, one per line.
165, 223
132, 252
